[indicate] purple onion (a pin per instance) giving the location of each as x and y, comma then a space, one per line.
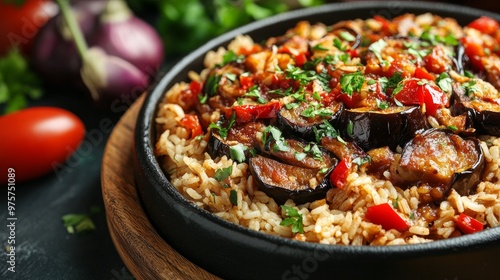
111, 79
121, 34
54, 54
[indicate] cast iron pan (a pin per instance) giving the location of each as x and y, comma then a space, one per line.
234, 252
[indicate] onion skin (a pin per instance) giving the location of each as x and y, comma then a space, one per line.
121, 34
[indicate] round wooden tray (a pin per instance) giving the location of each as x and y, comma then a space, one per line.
141, 248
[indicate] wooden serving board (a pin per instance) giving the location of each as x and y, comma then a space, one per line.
142, 249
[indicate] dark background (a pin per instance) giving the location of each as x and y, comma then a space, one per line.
44, 249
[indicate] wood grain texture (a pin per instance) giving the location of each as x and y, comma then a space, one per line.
141, 248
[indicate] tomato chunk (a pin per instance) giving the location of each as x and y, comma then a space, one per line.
192, 123
485, 24
248, 113
418, 92
467, 224
386, 216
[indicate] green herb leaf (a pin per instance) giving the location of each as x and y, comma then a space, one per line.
18, 83
80, 223
351, 82
292, 218
326, 130
223, 173
347, 36
237, 152
255, 91
233, 197
377, 48
444, 82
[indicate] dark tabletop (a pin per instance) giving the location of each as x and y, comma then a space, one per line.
44, 248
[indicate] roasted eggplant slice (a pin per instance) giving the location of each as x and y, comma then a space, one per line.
442, 160
292, 121
301, 153
480, 102
244, 134
283, 181
390, 127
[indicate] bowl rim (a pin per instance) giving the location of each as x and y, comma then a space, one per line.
158, 179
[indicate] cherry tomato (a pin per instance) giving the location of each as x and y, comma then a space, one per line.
467, 224
248, 113
419, 92
485, 24
339, 175
384, 215
422, 73
35, 139
192, 123
20, 24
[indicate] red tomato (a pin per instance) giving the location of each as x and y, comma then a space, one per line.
422, 73
474, 49
248, 113
339, 175
384, 215
35, 139
246, 81
20, 24
467, 224
485, 24
300, 59
192, 123
419, 92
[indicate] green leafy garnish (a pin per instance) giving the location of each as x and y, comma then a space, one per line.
444, 82
210, 89
280, 143
237, 152
352, 82
18, 82
233, 197
255, 91
231, 56
362, 160
222, 174
292, 218
80, 223
347, 36
377, 48
326, 130
223, 131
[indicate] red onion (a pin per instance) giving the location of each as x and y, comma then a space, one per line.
54, 53
122, 34
109, 78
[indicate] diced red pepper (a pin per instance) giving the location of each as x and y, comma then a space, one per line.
300, 59
195, 87
422, 73
467, 224
248, 113
192, 123
353, 53
485, 24
246, 81
384, 215
419, 92
339, 174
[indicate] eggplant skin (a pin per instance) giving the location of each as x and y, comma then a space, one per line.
291, 122
440, 159
283, 181
392, 127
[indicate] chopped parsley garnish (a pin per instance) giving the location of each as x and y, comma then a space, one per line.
347, 36
80, 223
223, 131
470, 88
382, 105
313, 149
362, 160
292, 218
377, 48
210, 89
233, 197
468, 74
280, 143
255, 91
237, 152
231, 56
326, 130
222, 174
444, 82
314, 110
300, 156
395, 203
339, 44
434, 39
351, 82
319, 47
350, 128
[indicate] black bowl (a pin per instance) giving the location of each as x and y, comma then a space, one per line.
234, 252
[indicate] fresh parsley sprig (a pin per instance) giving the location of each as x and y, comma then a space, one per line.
292, 218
